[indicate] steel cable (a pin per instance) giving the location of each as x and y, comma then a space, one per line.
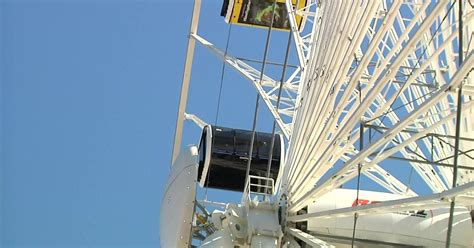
282, 80
262, 70
229, 30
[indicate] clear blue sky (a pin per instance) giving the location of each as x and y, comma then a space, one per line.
89, 94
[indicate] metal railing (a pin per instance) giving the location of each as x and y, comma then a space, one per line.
258, 186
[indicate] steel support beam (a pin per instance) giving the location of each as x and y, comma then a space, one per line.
183, 97
307, 238
432, 201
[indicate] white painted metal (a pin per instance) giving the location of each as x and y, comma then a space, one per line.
267, 89
254, 224
207, 156
263, 227
183, 98
177, 207
308, 239
231, 226
219, 238
348, 171
387, 218
386, 203
212, 204
316, 171
383, 178
318, 143
307, 126
200, 123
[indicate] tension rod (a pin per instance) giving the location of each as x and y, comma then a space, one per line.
458, 132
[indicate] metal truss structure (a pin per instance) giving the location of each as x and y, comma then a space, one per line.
375, 81
391, 66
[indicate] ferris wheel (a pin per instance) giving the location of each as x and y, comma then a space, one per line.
381, 91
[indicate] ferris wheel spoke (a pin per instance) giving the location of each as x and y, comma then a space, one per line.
383, 178
349, 171
302, 40
300, 175
316, 141
437, 200
342, 176
417, 73
388, 181
312, 112
424, 170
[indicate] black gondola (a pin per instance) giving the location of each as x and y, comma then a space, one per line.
223, 157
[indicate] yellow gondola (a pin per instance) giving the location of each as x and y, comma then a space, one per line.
258, 13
